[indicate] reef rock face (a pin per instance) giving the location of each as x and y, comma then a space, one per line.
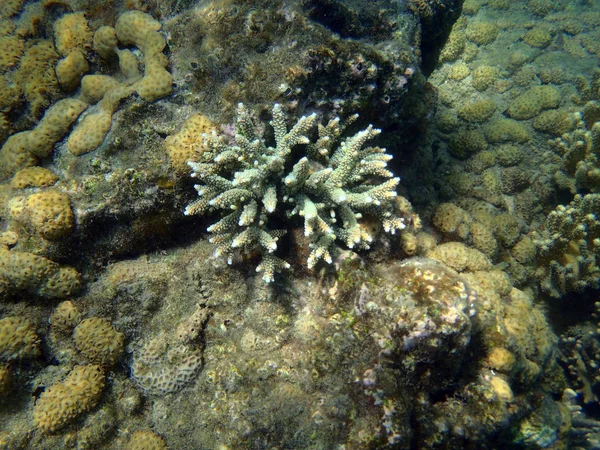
339, 57
350, 361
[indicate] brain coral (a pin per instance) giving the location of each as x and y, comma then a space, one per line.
63, 402
99, 341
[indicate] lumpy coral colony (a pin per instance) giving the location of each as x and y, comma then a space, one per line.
335, 185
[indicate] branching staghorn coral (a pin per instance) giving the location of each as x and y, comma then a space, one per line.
335, 185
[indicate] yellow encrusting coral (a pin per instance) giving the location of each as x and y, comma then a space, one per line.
18, 339
63, 402
187, 144
97, 340
132, 28
71, 32
47, 212
23, 149
145, 440
26, 272
33, 177
65, 316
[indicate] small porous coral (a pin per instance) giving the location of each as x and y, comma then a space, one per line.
538, 37
466, 143
477, 111
18, 339
482, 32
334, 186
506, 130
98, 341
485, 76
63, 402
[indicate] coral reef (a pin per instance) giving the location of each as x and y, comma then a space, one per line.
453, 348
331, 186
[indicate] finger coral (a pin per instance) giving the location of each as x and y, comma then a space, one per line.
333, 186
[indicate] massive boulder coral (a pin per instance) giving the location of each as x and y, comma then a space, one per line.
569, 247
336, 187
167, 362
